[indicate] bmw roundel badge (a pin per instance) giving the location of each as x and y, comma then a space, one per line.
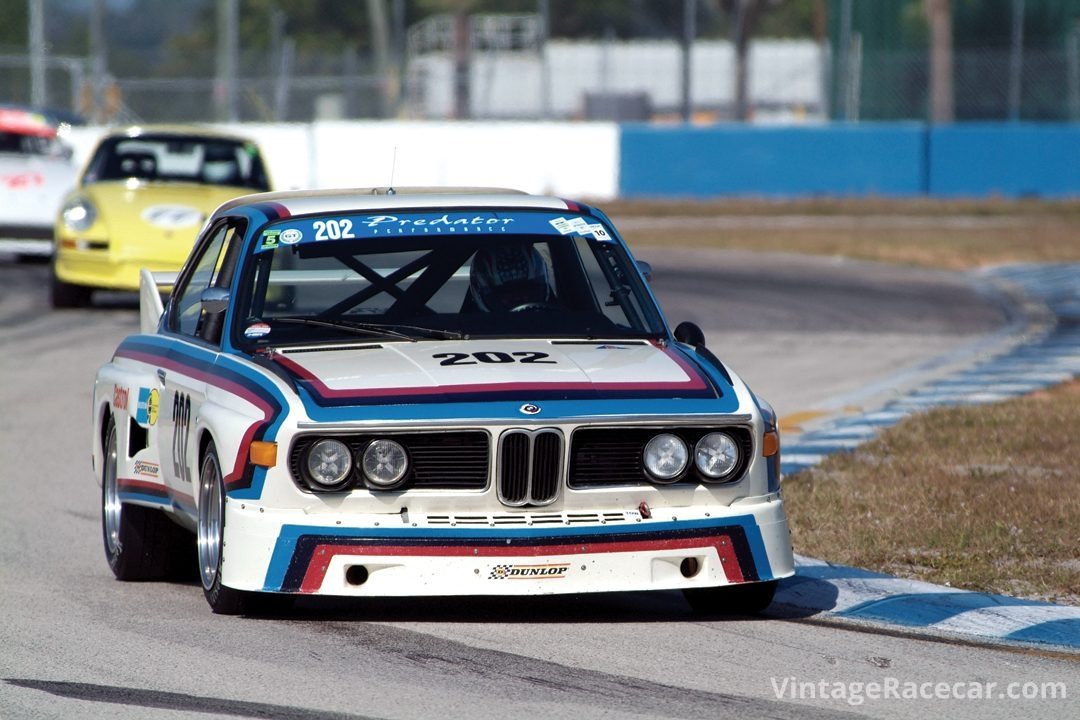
530, 409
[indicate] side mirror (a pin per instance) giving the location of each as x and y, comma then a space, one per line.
689, 333
214, 300
646, 270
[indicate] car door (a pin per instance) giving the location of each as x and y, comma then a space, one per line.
196, 342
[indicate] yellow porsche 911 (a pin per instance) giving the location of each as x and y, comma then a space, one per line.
140, 203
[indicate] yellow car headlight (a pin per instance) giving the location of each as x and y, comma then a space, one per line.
78, 214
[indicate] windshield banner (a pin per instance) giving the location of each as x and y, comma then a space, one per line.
450, 223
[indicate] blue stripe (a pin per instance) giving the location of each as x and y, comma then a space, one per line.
287, 539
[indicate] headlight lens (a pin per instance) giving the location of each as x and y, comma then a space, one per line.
666, 457
329, 463
384, 463
78, 214
716, 455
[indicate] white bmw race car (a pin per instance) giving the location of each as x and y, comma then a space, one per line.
430, 392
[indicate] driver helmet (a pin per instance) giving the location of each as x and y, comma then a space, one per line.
504, 277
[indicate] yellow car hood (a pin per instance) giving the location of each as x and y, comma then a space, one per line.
155, 222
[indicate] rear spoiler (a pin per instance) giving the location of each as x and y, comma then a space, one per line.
150, 303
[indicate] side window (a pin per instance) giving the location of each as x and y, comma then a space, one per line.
213, 268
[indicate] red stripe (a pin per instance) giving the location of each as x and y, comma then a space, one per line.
217, 381
323, 554
133, 485
694, 381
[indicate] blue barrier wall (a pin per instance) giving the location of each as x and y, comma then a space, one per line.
882, 159
1011, 160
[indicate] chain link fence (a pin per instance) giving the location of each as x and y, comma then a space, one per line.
509, 69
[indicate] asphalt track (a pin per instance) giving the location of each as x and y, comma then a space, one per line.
804, 332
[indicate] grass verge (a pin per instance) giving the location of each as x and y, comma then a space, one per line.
941, 234
982, 497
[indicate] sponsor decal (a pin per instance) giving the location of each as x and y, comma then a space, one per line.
547, 571
147, 469
579, 226
529, 409
172, 217
270, 240
146, 412
120, 397
291, 236
256, 330
447, 222
20, 181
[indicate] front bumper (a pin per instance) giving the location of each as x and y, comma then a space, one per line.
395, 555
99, 269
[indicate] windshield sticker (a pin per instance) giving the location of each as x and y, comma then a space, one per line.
579, 226
447, 222
339, 228
269, 240
257, 330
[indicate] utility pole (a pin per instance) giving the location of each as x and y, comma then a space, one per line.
227, 60
97, 62
939, 15
1016, 59
743, 22
689, 34
38, 89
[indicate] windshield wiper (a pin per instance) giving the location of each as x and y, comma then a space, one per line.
377, 329
366, 329
428, 332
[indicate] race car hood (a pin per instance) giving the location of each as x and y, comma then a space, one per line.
479, 371
155, 222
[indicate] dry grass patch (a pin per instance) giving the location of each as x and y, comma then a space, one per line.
943, 234
983, 497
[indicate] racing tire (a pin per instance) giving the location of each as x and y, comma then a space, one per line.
223, 600
65, 295
141, 543
742, 599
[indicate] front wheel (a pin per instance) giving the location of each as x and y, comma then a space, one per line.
210, 537
741, 599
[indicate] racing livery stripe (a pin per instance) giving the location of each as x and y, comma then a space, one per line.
272, 210
154, 490
157, 493
695, 386
298, 545
249, 386
314, 547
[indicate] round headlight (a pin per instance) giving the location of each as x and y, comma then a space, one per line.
329, 463
666, 457
384, 463
716, 455
78, 214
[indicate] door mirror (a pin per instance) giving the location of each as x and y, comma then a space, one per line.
646, 270
214, 300
689, 333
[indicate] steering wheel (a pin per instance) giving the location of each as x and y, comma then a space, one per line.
534, 306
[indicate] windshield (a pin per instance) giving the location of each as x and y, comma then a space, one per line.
318, 279
179, 158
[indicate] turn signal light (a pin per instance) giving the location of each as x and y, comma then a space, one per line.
263, 453
771, 444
